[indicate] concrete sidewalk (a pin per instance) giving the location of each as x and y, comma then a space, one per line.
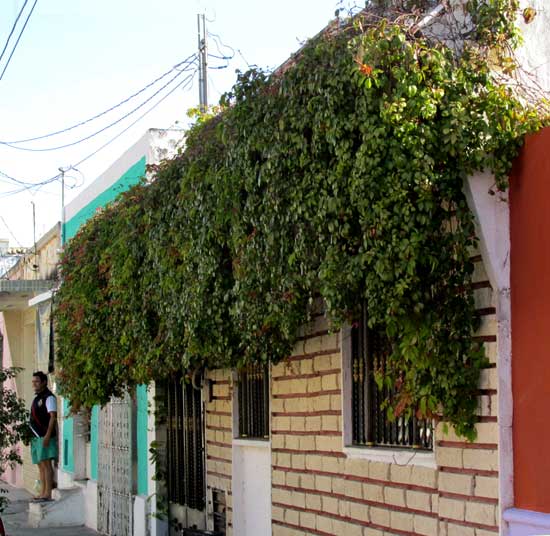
16, 515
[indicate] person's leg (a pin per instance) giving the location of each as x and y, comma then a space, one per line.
48, 474
42, 479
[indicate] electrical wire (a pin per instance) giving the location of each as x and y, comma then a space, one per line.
187, 81
220, 44
10, 231
17, 42
187, 60
13, 30
114, 123
245, 60
28, 187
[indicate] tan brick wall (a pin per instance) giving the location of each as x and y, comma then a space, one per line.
218, 437
318, 489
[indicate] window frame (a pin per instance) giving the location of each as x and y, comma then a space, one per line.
387, 454
237, 391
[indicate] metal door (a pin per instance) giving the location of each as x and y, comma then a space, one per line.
115, 479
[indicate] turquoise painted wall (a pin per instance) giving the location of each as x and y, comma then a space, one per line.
68, 458
129, 178
94, 435
141, 440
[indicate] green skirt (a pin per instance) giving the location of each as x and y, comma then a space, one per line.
39, 452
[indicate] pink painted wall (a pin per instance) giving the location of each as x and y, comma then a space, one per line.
11, 476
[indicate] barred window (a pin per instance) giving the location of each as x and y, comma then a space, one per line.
370, 349
253, 401
185, 444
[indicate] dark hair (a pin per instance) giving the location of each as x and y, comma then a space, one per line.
39, 374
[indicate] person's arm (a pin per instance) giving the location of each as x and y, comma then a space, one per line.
51, 427
51, 406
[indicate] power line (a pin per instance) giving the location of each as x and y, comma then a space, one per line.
125, 116
187, 81
17, 42
245, 60
9, 231
220, 44
101, 114
13, 30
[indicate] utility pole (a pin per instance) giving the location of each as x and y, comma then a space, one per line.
62, 170
203, 63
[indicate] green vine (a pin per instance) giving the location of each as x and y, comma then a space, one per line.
341, 177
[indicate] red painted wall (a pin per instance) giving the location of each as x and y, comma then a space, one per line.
530, 282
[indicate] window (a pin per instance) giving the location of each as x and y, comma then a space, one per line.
370, 425
253, 402
185, 445
219, 511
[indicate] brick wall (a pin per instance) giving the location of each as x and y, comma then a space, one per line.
318, 488
219, 433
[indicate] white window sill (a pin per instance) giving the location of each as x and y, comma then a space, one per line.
258, 443
527, 522
397, 456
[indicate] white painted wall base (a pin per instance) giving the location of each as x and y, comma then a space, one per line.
90, 503
140, 516
527, 523
65, 480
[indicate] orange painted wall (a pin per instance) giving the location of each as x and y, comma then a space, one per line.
530, 283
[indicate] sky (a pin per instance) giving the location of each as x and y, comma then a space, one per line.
78, 58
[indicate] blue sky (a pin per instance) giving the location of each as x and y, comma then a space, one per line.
77, 58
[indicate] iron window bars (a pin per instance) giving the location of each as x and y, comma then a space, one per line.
253, 401
371, 425
185, 476
219, 511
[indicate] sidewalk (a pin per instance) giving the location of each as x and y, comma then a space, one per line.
15, 518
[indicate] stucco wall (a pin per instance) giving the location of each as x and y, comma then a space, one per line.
43, 263
12, 476
530, 266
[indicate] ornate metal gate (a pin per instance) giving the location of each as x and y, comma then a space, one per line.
115, 480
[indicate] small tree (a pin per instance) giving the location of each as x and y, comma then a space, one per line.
14, 427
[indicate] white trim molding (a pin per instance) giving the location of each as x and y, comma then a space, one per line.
398, 456
527, 523
492, 217
45, 296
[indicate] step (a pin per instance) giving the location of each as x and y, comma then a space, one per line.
66, 509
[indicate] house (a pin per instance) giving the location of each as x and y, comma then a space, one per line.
104, 452
25, 327
302, 446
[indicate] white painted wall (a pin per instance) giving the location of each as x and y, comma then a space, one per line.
534, 54
156, 145
251, 486
492, 216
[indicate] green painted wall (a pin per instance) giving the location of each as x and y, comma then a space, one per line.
141, 439
68, 458
129, 178
94, 435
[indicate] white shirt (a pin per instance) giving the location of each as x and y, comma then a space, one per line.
51, 404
